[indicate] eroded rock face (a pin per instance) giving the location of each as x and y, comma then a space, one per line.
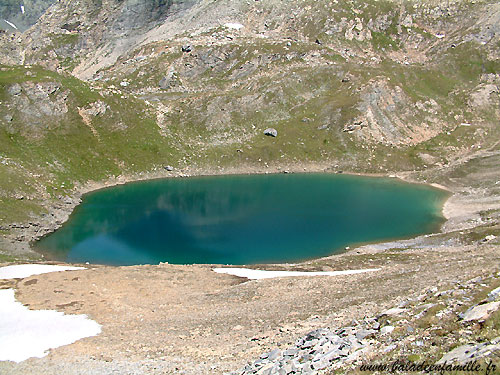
31, 104
24, 15
143, 13
387, 116
484, 95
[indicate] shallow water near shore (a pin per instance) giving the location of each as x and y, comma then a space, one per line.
244, 219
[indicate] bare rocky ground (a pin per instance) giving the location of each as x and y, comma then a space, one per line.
187, 319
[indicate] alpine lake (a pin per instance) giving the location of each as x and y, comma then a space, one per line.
241, 219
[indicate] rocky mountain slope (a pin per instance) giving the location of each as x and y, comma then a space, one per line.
21, 14
98, 90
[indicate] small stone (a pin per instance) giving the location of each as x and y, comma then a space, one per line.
494, 294
386, 330
393, 311
274, 354
290, 352
365, 333
320, 365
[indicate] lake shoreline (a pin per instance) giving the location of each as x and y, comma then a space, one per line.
170, 311
365, 202
60, 212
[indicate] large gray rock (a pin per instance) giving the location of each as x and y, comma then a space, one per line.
266, 370
15, 89
271, 132
465, 353
494, 294
171, 80
481, 312
321, 364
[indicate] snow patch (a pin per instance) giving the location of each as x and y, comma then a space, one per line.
26, 333
24, 270
231, 25
262, 274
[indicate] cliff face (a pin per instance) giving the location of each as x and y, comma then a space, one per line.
21, 14
365, 86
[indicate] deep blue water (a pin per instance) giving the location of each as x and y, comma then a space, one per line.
241, 219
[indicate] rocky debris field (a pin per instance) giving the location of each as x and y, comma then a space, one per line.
417, 330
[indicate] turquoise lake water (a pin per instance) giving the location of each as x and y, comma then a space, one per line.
241, 219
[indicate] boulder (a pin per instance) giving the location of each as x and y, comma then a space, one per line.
290, 352
480, 313
274, 354
186, 48
494, 294
271, 132
171, 80
461, 354
15, 89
